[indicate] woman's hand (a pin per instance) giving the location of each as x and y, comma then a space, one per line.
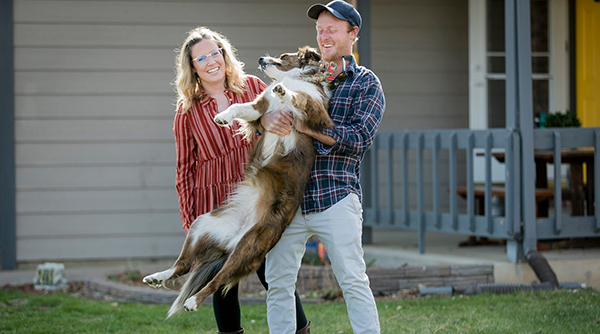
277, 122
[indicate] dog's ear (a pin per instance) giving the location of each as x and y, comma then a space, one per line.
308, 54
313, 54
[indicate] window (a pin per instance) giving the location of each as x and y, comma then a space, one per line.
487, 56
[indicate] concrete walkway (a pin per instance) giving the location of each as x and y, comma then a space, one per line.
391, 249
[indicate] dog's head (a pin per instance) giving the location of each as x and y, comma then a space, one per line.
304, 62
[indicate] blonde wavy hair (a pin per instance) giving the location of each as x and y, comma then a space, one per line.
188, 84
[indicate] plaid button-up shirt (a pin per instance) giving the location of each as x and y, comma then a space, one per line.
356, 107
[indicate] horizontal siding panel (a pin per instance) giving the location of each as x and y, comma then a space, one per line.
421, 61
446, 15
421, 39
95, 177
394, 122
424, 83
92, 83
91, 130
78, 35
100, 59
96, 201
86, 225
420, 3
35, 106
426, 106
32, 59
95, 154
174, 13
99, 248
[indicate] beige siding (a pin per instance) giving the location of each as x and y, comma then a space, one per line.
420, 52
94, 112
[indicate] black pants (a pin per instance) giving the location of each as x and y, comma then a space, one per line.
227, 308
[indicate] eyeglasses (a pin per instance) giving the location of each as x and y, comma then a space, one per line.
214, 54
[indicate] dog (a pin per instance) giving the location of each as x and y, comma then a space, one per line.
229, 243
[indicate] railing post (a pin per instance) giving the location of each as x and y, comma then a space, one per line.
436, 181
390, 179
420, 196
470, 183
453, 180
375, 181
365, 181
509, 203
557, 184
489, 141
404, 176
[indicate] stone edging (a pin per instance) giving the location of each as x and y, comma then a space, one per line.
384, 281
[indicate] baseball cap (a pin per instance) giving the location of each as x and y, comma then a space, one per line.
338, 8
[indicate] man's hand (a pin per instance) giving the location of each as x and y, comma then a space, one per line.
302, 128
277, 122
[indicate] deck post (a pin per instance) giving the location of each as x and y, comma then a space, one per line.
519, 118
525, 108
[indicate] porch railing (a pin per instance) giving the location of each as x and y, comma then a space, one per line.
434, 155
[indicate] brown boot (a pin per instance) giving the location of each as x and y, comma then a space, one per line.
305, 330
241, 331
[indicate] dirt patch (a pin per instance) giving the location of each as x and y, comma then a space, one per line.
73, 288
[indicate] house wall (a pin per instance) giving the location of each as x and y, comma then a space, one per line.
420, 52
95, 156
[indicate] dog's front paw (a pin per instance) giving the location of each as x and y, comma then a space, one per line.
153, 281
191, 304
279, 90
222, 119
225, 117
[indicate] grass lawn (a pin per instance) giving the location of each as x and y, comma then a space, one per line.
546, 312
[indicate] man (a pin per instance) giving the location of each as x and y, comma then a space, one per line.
331, 207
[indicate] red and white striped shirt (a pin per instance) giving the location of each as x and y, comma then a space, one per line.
210, 158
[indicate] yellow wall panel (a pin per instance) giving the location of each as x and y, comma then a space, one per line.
588, 62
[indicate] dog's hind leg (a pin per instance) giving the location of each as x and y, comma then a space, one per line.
181, 267
245, 259
230, 274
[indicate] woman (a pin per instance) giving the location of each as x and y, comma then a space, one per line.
210, 158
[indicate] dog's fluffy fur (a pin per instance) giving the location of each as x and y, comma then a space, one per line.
231, 242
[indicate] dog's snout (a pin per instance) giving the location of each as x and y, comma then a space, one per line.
261, 61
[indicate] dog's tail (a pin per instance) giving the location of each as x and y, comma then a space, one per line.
199, 277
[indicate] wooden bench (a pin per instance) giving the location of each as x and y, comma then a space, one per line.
541, 194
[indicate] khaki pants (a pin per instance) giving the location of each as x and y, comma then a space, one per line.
340, 230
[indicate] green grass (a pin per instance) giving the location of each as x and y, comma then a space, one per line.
546, 312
